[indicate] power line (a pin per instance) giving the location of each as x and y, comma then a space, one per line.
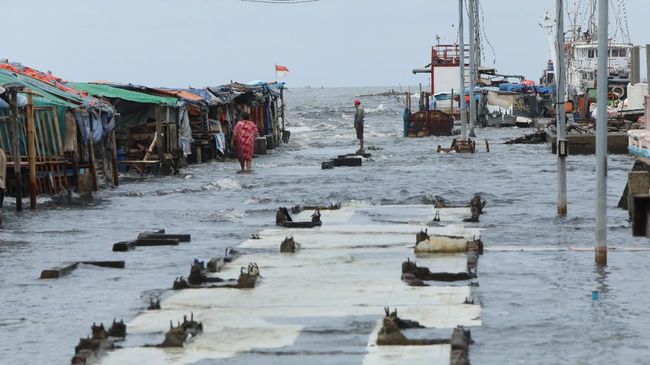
280, 1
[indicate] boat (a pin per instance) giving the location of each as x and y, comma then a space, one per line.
581, 51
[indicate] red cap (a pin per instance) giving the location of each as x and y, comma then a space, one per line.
357, 102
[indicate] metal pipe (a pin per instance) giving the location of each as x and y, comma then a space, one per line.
647, 63
635, 77
601, 136
560, 111
472, 68
461, 60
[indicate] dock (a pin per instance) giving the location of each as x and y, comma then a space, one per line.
326, 302
586, 144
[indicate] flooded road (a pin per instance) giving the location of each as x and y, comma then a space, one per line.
535, 281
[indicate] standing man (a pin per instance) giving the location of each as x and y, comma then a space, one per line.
358, 123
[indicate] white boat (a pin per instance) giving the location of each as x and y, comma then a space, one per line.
581, 50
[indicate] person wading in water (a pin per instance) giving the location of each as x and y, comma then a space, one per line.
243, 140
358, 123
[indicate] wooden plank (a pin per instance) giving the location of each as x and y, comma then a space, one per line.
43, 149
56, 150
65, 269
31, 151
157, 242
62, 177
179, 237
57, 272
93, 168
18, 191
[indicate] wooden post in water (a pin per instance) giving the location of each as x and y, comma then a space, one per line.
158, 136
114, 165
31, 150
282, 101
91, 162
18, 186
601, 136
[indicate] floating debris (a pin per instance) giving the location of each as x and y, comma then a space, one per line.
391, 334
476, 204
282, 218
299, 208
531, 138
154, 304
65, 269
177, 336
289, 245
91, 348
461, 339
164, 236
413, 274
459, 146
118, 329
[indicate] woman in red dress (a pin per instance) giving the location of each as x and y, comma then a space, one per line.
243, 139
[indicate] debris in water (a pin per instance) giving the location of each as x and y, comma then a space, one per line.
532, 138
282, 218
289, 245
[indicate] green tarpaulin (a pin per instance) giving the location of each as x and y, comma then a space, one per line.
46, 100
106, 91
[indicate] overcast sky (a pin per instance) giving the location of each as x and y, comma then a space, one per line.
324, 43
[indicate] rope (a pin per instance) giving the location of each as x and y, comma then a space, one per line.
480, 6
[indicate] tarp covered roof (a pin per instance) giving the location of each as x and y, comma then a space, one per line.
111, 92
255, 91
47, 99
52, 85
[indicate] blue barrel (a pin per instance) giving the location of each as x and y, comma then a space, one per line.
120, 157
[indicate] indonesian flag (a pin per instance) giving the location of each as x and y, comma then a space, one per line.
281, 70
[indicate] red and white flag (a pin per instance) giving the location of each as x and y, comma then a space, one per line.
281, 70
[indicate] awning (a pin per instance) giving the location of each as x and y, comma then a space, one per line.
106, 91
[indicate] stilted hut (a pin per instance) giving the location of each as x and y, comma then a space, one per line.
149, 129
41, 134
264, 101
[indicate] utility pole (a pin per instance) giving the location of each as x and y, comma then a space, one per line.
472, 68
461, 60
601, 136
562, 150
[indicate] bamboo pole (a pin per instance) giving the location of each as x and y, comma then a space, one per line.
16, 151
91, 161
31, 151
116, 180
159, 146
